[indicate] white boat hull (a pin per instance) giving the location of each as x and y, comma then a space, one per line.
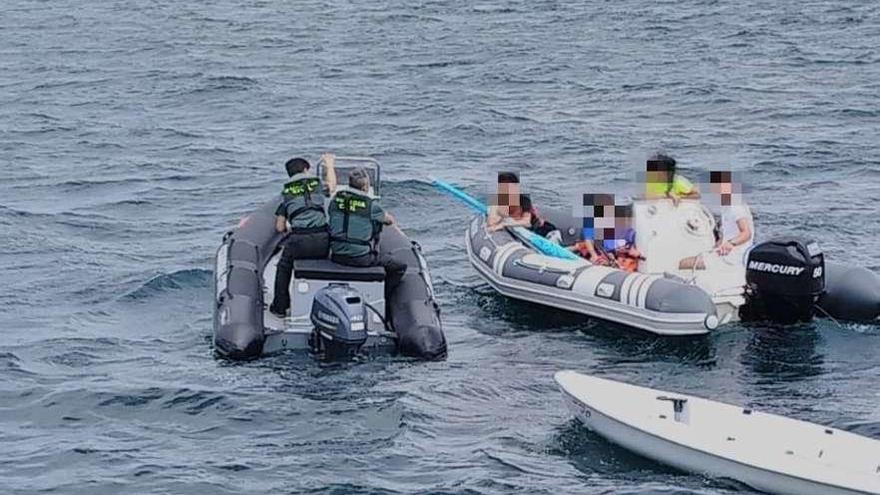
796, 473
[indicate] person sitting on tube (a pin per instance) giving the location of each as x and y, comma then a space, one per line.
505, 202
513, 208
737, 224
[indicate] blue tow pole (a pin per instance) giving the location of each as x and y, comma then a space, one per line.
545, 246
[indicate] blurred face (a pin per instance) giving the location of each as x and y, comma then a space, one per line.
599, 216
722, 184
657, 176
722, 187
505, 189
508, 196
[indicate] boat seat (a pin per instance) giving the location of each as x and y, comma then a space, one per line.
324, 269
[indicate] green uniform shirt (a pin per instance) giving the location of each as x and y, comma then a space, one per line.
294, 202
361, 225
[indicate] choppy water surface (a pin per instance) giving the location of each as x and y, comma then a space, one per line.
133, 134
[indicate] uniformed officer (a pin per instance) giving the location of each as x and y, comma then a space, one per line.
356, 219
302, 208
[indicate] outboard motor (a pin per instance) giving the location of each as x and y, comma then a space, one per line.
339, 316
784, 277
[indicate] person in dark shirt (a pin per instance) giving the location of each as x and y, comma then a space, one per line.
301, 215
536, 223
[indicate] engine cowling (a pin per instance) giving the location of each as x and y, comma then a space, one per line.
339, 316
784, 277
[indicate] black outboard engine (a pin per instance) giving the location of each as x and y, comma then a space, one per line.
785, 277
339, 315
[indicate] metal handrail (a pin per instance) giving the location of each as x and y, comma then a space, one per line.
364, 160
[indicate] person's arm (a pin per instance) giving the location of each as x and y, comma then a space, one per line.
745, 233
694, 193
494, 219
590, 248
379, 215
676, 198
280, 224
682, 188
524, 221
281, 217
330, 179
633, 252
389, 219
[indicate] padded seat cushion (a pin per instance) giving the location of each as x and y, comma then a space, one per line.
328, 270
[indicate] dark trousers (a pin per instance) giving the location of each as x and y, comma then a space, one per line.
298, 246
394, 270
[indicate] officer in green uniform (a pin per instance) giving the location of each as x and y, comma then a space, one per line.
302, 207
356, 219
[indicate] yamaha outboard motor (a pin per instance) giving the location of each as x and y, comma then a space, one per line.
784, 277
340, 319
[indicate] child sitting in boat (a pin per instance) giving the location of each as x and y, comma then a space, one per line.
625, 253
612, 246
624, 249
596, 222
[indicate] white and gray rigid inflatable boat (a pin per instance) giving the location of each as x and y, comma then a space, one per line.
650, 302
788, 279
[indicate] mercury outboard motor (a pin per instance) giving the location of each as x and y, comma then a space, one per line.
339, 315
784, 279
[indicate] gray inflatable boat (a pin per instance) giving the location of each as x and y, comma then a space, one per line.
653, 303
784, 280
331, 304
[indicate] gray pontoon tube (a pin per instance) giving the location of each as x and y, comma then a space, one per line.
238, 309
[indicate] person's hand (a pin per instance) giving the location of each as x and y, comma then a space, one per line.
675, 199
329, 160
725, 248
389, 219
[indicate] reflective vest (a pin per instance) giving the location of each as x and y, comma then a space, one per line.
303, 194
353, 232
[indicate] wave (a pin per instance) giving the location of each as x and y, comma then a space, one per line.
232, 81
408, 185
193, 278
11, 364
